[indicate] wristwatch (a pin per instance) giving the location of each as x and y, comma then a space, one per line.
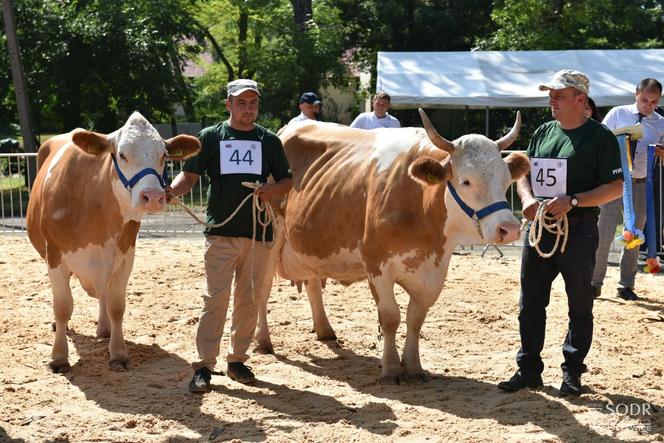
574, 201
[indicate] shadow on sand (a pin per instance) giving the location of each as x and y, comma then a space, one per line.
473, 399
157, 385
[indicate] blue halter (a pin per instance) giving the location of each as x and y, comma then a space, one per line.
476, 215
129, 184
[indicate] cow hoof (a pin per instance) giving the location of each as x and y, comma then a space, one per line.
389, 380
327, 337
119, 365
103, 333
415, 377
59, 368
262, 349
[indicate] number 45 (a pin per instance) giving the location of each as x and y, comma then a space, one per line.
548, 180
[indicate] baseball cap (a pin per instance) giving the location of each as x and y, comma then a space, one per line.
310, 97
568, 78
237, 87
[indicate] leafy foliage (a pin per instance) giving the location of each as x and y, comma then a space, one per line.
93, 62
579, 24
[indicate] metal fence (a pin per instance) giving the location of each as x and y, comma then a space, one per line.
18, 170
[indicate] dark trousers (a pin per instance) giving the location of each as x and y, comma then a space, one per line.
537, 274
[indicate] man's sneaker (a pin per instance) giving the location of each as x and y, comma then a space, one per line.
240, 373
627, 294
200, 383
597, 291
519, 381
571, 386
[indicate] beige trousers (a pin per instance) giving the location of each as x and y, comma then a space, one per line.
225, 256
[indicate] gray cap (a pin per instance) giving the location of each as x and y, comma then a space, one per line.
237, 87
568, 78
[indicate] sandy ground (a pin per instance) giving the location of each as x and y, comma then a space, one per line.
321, 391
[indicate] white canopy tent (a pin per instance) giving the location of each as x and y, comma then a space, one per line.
505, 79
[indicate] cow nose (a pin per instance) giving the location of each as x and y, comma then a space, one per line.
507, 232
152, 200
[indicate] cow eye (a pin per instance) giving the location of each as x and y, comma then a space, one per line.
122, 156
466, 182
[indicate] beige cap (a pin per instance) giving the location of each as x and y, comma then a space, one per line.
237, 87
568, 78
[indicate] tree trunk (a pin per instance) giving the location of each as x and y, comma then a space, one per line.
219, 53
22, 100
242, 40
302, 12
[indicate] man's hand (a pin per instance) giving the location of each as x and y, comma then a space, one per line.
530, 207
659, 151
169, 195
559, 206
266, 192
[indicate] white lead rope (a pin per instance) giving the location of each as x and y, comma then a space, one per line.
559, 227
261, 213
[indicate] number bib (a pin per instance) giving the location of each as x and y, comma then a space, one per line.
241, 157
548, 176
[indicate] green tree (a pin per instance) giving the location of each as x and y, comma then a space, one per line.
286, 51
579, 24
93, 62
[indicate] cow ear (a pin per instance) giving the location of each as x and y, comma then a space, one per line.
429, 171
518, 165
92, 142
181, 147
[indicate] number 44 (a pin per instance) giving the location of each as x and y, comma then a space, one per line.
246, 158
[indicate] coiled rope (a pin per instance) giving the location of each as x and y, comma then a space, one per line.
261, 214
559, 227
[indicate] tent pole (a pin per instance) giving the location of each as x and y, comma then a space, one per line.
486, 119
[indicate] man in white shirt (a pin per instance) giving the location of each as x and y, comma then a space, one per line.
648, 94
309, 108
379, 118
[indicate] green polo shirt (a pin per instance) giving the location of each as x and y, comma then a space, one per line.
226, 192
591, 150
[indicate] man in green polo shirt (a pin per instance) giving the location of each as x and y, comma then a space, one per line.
575, 165
234, 151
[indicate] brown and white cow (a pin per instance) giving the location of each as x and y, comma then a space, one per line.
85, 209
380, 205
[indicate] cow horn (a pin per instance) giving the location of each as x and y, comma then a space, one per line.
507, 140
434, 136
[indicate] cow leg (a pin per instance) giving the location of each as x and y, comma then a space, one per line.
389, 318
63, 306
103, 324
263, 342
411, 355
321, 324
115, 307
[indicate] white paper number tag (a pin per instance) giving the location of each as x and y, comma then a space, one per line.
548, 176
240, 157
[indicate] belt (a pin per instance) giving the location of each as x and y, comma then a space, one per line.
638, 180
575, 220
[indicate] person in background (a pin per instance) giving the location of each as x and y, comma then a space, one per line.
575, 166
592, 111
309, 108
379, 117
233, 151
642, 111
